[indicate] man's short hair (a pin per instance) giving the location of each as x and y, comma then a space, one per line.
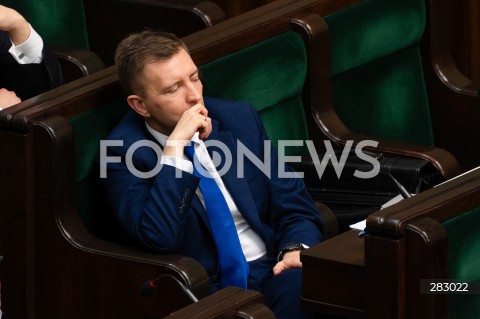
139, 49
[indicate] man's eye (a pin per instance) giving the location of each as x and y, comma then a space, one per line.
172, 89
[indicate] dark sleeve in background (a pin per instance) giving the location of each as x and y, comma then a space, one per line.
28, 80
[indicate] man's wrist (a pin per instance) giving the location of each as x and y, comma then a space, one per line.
289, 248
29, 51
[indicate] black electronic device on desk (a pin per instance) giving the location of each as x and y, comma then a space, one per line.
353, 198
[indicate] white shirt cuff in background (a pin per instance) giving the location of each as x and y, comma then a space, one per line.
29, 51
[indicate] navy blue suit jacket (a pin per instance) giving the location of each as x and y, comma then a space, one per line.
164, 214
28, 80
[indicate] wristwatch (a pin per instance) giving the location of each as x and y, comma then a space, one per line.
290, 247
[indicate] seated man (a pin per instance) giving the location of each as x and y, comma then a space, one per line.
27, 68
243, 222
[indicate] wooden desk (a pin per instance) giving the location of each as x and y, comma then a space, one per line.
334, 276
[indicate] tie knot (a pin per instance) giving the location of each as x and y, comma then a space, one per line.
190, 150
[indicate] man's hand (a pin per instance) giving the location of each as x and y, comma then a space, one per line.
8, 98
15, 24
193, 120
290, 260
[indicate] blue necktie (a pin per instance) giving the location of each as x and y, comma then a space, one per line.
233, 265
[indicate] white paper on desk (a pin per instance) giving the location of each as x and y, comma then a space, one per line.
360, 225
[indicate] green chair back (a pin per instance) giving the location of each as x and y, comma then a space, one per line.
89, 128
464, 261
270, 76
59, 22
377, 76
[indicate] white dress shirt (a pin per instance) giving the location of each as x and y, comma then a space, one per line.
29, 51
253, 246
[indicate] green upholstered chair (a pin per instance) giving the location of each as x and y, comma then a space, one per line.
96, 215
97, 113
428, 238
89, 194
464, 262
253, 75
77, 235
438, 233
375, 88
273, 75
377, 76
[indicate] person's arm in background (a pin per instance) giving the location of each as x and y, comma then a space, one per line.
15, 24
27, 67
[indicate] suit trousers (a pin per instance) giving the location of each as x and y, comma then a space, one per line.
281, 292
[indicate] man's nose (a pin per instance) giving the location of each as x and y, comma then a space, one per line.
194, 93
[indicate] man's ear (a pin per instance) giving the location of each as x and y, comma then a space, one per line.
137, 104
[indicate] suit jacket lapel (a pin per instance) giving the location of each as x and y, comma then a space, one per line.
195, 204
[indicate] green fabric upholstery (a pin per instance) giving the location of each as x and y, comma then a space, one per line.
59, 22
270, 76
464, 260
89, 129
377, 76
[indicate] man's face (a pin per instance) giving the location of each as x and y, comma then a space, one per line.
171, 88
